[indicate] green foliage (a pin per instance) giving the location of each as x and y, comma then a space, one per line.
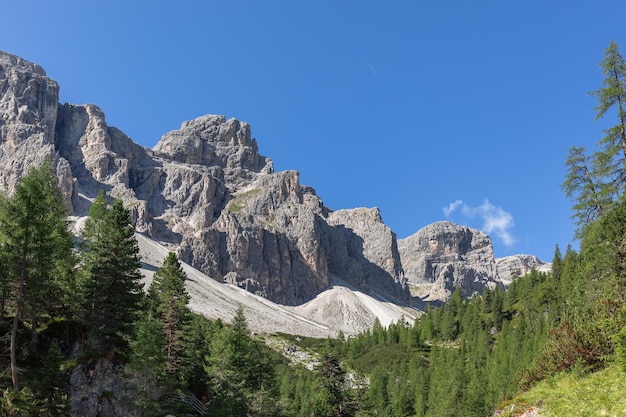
22, 403
600, 393
583, 185
241, 201
36, 245
113, 289
330, 399
611, 159
595, 182
620, 342
169, 299
197, 343
148, 363
459, 359
240, 377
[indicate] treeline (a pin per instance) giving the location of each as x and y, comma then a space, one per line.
66, 303
467, 356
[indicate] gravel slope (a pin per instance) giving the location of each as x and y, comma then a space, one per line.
338, 308
216, 300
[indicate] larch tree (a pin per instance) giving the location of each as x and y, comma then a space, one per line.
584, 187
611, 158
332, 398
35, 240
594, 182
113, 287
97, 212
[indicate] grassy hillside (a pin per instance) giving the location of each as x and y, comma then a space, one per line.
601, 393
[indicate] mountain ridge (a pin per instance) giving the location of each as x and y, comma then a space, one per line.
205, 192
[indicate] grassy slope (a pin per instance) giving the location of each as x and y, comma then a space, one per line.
602, 393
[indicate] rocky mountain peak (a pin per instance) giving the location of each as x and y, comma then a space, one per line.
513, 266
206, 192
212, 140
19, 64
28, 113
446, 239
444, 255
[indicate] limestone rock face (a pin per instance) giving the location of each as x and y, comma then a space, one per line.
444, 255
214, 141
513, 266
204, 190
100, 388
28, 113
368, 250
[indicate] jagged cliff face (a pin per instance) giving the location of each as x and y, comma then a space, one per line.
28, 113
444, 255
204, 190
367, 250
513, 266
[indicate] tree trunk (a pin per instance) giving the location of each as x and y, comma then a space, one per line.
33, 330
18, 312
18, 307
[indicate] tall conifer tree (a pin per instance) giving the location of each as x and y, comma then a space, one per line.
34, 239
611, 159
168, 295
113, 288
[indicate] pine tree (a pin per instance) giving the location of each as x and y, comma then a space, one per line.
169, 296
97, 213
34, 241
557, 264
113, 288
569, 276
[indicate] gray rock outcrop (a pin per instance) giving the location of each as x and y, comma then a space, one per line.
204, 190
513, 266
28, 114
100, 388
368, 251
444, 255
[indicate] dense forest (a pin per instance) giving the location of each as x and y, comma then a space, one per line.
67, 301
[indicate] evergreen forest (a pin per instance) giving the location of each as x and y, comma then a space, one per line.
67, 302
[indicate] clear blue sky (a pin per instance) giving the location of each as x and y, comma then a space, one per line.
409, 106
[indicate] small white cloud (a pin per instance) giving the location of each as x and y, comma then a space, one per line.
452, 207
496, 221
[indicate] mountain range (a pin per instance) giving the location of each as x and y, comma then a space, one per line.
246, 234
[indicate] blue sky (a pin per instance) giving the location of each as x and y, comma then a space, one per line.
429, 110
